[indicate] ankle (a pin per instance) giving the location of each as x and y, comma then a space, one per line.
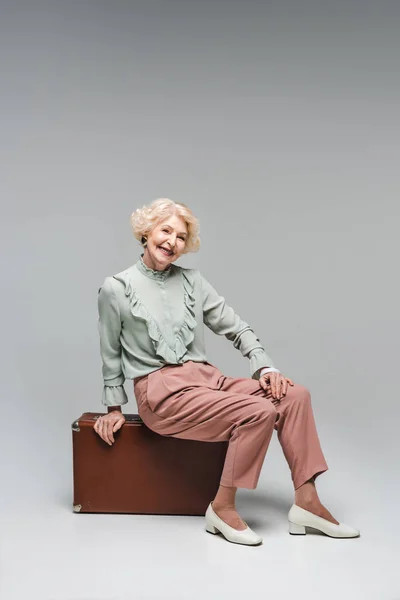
307, 503
306, 493
218, 505
225, 498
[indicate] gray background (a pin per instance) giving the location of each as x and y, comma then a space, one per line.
277, 123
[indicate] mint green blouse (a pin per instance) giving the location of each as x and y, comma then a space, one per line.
148, 319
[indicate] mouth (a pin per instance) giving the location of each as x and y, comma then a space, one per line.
165, 252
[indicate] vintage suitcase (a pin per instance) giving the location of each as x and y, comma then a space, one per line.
142, 472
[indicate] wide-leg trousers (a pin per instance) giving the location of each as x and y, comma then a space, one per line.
196, 401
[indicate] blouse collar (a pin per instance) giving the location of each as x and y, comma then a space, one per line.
151, 273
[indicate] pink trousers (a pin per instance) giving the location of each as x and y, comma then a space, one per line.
196, 401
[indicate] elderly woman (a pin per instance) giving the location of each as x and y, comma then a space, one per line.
151, 329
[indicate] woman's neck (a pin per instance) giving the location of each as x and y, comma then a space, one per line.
151, 264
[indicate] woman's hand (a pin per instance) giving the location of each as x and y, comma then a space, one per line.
108, 424
277, 382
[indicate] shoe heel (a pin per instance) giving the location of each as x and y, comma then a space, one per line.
296, 529
211, 529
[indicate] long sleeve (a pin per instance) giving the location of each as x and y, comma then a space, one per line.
223, 320
109, 326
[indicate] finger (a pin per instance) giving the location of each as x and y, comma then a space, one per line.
279, 386
106, 431
103, 430
290, 381
273, 384
100, 428
272, 381
110, 432
267, 386
263, 383
119, 423
284, 386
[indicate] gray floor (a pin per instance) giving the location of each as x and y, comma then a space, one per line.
50, 553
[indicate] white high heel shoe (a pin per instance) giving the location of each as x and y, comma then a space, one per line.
214, 524
299, 519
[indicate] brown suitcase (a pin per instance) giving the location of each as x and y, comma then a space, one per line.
142, 472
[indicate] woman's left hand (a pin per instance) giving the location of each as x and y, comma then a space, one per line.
277, 381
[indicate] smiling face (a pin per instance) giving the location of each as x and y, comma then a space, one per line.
165, 243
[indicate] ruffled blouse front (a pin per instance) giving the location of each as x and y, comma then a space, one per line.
171, 353
150, 318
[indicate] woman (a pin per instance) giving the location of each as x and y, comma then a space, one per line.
151, 329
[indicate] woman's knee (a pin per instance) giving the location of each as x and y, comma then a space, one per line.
260, 411
301, 393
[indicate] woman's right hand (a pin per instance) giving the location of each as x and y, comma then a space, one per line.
107, 425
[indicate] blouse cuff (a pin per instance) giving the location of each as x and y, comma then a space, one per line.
113, 395
258, 361
269, 370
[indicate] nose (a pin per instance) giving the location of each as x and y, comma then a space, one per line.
172, 240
